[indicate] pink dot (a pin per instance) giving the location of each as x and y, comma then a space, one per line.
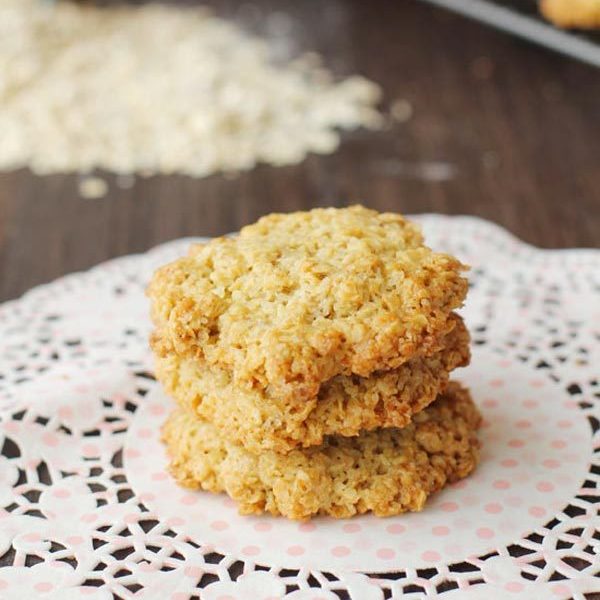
219, 525
513, 586
501, 484
43, 586
516, 443
175, 521
440, 530
496, 383
460, 485
145, 433
193, 571
262, 526
351, 527
559, 444
3, 584
395, 528
509, 463
560, 590
523, 424
485, 533
449, 506
340, 551
32, 537
490, 403
551, 463
296, 550
307, 527
61, 493
157, 409
65, 412
536, 383
147, 497
225, 597
90, 450
493, 508
50, 439
89, 518
386, 553
565, 424
251, 550
179, 596
530, 403
537, 511
132, 453
131, 518
75, 540
544, 486
430, 556
504, 363
159, 476
188, 499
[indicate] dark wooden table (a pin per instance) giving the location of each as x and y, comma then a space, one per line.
500, 129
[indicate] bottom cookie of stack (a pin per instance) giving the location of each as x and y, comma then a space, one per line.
386, 471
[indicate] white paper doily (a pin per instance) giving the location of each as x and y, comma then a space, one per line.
86, 510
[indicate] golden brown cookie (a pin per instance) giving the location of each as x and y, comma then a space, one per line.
296, 299
345, 405
582, 14
388, 471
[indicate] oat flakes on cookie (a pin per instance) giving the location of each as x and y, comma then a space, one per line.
297, 299
387, 472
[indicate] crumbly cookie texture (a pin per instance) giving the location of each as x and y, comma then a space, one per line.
572, 13
388, 471
296, 299
345, 405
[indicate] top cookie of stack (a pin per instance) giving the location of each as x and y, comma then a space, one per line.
326, 322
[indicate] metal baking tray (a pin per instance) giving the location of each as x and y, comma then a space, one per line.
522, 18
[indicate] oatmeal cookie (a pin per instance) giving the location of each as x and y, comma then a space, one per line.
345, 405
582, 14
296, 299
388, 471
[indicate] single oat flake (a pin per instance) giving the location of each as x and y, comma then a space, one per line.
159, 89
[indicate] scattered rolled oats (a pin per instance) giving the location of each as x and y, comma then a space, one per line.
159, 89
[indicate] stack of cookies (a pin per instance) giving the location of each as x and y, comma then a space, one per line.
309, 358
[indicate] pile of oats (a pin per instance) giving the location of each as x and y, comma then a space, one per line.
158, 89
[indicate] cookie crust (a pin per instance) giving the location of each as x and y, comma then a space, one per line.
345, 405
387, 471
296, 299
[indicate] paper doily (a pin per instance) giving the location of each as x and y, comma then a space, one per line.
86, 510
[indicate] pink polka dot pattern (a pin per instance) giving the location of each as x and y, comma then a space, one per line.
296, 550
430, 556
340, 551
485, 533
501, 484
545, 486
386, 553
493, 508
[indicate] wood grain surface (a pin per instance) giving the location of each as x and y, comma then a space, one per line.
500, 129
